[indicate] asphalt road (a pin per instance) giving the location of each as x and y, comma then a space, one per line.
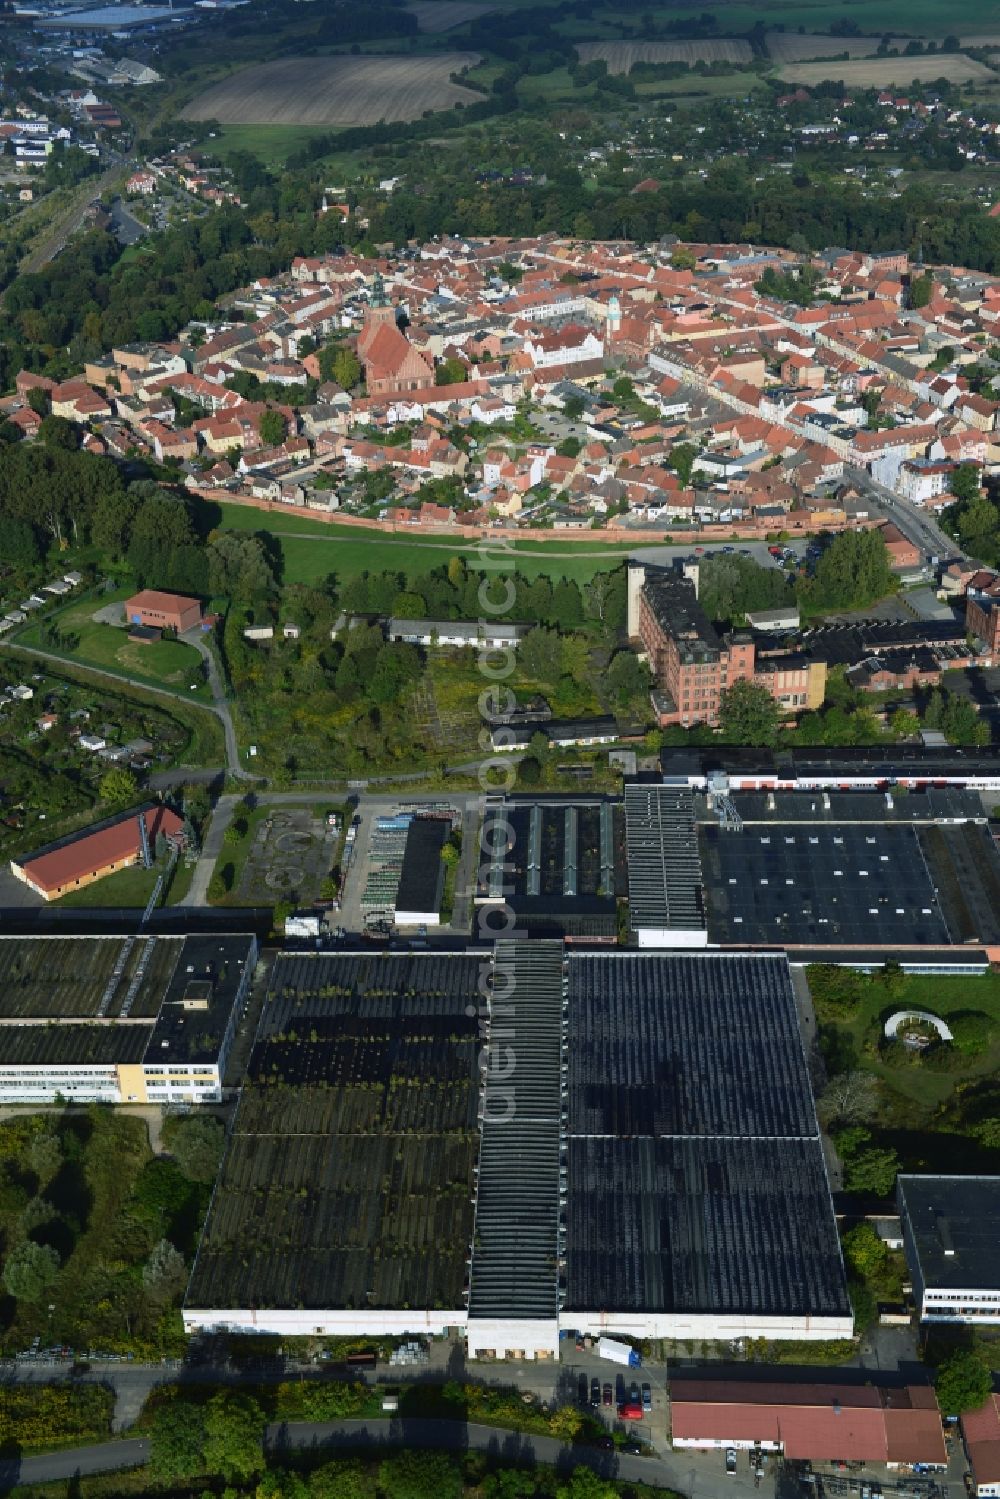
916, 524
696, 1475
222, 816
220, 703
51, 1467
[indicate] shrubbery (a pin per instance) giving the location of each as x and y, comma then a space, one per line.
40, 1416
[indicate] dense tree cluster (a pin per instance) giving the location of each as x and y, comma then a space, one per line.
730, 586
852, 572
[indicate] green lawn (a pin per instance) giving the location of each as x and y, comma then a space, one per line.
129, 889
163, 663
941, 996
348, 551
271, 144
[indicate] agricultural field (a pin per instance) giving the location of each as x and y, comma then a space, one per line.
790, 46
348, 1177
621, 57
884, 72
339, 91
444, 15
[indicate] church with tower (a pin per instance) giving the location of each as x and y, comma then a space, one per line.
392, 366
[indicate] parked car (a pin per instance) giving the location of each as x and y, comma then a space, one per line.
595, 1392
608, 1395
582, 1389
647, 1398
634, 1398
730, 1459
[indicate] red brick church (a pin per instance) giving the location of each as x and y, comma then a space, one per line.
392, 366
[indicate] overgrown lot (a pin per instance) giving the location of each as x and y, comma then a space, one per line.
95, 1226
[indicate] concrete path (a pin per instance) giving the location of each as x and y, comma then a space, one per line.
197, 894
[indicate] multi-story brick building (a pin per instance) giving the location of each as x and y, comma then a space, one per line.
982, 614
693, 664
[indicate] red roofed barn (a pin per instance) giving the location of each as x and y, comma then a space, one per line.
55, 871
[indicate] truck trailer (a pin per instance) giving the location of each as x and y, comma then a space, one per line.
618, 1353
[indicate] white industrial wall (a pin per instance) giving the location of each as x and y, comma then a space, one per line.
303, 1324
708, 1327
502, 1338
665, 937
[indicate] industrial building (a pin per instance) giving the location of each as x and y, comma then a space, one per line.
981, 1433
610, 1142
156, 610
559, 861
137, 1019
810, 869
693, 665
421, 878
951, 1229
868, 1423
913, 767
79, 860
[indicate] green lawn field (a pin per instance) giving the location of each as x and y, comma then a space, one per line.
129, 888
162, 663
941, 996
271, 144
348, 551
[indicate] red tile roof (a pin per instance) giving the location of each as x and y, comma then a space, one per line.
981, 1430
813, 1421
92, 852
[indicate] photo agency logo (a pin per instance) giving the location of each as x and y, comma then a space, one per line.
497, 773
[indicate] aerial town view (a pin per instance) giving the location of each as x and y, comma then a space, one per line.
499, 749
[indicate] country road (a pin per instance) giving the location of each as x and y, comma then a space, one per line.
219, 702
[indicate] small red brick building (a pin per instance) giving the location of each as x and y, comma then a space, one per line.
163, 611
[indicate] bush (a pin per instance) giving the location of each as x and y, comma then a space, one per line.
973, 1031
836, 992
50, 1415
963, 1382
